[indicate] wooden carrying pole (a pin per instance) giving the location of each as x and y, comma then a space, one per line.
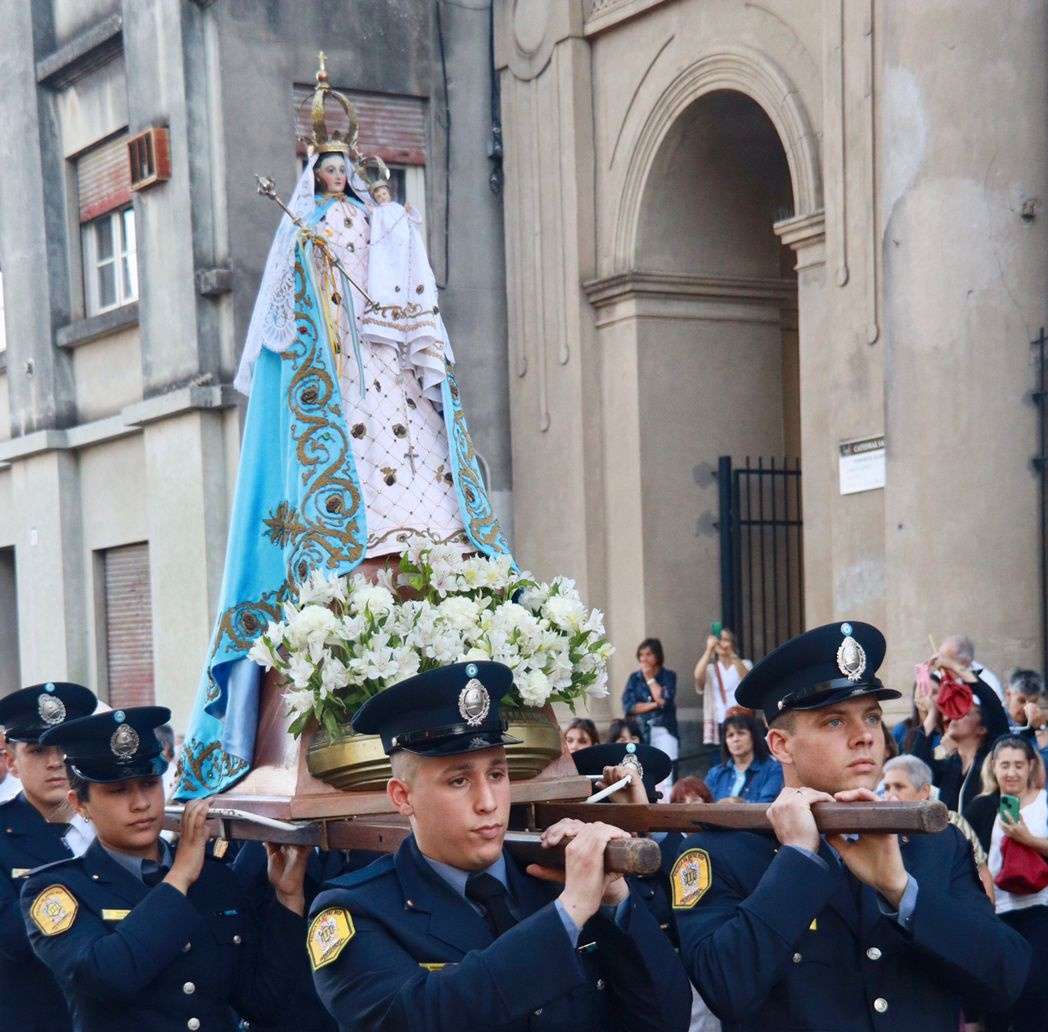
384, 834
832, 818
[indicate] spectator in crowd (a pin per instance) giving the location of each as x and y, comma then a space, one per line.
746, 772
650, 698
717, 675
691, 790
581, 733
1035, 712
956, 762
10, 786
891, 747
905, 732
909, 780
1024, 686
958, 653
1015, 769
624, 729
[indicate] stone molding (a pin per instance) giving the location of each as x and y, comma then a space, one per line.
83, 331
666, 295
528, 31
748, 71
131, 420
605, 14
806, 234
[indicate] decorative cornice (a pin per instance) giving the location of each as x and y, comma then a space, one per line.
605, 14
673, 286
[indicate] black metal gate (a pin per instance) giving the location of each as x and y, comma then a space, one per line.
1040, 463
762, 572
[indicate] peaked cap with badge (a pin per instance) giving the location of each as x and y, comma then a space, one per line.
829, 664
27, 714
654, 765
443, 712
113, 746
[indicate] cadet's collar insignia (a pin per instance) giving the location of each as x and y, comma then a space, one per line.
125, 741
54, 910
630, 760
329, 932
851, 657
50, 707
474, 702
690, 878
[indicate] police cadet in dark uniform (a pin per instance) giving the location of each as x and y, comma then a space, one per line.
139, 938
793, 930
613, 760
323, 865
34, 830
451, 933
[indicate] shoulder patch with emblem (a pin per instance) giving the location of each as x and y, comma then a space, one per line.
691, 877
329, 932
54, 910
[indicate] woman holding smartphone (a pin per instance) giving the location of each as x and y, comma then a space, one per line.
1013, 807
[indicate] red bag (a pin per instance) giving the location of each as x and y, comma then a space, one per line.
955, 697
1023, 870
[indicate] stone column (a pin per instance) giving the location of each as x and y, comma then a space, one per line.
558, 490
962, 176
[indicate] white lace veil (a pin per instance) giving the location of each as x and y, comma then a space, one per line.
272, 323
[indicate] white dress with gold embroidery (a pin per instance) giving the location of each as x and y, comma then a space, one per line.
397, 428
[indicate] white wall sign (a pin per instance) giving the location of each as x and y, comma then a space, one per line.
861, 465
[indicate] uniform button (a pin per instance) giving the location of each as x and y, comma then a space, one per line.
797, 958
189, 988
193, 1024
873, 953
538, 1012
237, 940
600, 983
94, 877
880, 1005
188, 946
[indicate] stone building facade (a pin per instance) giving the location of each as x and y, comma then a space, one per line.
125, 310
768, 230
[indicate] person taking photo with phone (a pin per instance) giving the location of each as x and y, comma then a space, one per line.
717, 675
1013, 811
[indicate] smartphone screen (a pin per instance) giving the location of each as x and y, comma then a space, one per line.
1009, 808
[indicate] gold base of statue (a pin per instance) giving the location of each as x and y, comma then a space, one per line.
357, 762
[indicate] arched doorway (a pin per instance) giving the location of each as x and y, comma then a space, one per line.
717, 369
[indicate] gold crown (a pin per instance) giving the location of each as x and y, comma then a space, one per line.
321, 140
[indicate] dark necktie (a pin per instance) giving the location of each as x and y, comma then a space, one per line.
490, 894
153, 873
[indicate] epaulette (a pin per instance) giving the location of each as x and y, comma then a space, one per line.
377, 868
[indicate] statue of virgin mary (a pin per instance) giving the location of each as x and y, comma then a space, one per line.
353, 442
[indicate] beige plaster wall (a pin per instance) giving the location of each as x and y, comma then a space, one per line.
107, 374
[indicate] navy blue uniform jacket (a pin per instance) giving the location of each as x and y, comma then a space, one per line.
32, 1001
308, 1014
420, 957
133, 958
777, 942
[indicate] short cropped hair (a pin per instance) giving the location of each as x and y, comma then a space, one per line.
918, 773
405, 765
962, 646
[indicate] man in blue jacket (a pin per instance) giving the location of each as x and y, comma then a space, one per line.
451, 933
797, 930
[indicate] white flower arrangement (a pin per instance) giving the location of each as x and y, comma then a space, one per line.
344, 641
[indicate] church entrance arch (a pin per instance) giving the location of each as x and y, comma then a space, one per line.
717, 352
